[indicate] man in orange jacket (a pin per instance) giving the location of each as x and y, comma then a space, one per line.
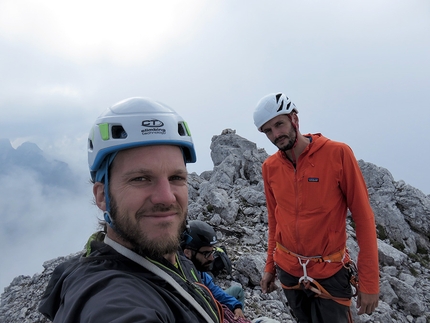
309, 185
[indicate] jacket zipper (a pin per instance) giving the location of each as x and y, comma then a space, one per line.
296, 189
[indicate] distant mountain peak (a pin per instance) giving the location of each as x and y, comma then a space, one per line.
28, 156
30, 147
5, 145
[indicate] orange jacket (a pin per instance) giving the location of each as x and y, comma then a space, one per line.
307, 208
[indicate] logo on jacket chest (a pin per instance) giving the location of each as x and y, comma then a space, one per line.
313, 179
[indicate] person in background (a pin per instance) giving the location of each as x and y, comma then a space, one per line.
309, 184
198, 245
137, 155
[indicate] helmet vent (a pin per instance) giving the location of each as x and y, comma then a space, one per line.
118, 132
280, 108
278, 96
181, 130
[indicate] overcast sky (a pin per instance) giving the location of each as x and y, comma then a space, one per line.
358, 72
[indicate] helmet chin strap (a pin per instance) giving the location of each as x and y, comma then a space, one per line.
102, 176
296, 140
108, 219
186, 238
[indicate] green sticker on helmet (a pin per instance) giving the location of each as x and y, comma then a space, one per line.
187, 129
104, 130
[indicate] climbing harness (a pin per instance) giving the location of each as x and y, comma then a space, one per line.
311, 284
339, 256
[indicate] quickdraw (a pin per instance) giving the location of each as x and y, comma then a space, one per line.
309, 283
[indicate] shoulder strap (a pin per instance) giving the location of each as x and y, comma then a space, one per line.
157, 271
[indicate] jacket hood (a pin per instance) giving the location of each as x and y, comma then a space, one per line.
318, 141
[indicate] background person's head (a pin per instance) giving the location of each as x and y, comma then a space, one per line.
276, 116
198, 244
137, 155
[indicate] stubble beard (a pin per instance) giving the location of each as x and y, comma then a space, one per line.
142, 244
291, 141
287, 146
199, 265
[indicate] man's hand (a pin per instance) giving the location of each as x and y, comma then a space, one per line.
367, 303
238, 313
267, 283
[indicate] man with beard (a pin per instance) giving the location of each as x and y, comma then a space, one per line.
309, 184
198, 245
137, 154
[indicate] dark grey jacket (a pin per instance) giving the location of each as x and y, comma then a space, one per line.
108, 287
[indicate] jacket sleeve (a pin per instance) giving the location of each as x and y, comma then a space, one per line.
219, 294
271, 204
355, 190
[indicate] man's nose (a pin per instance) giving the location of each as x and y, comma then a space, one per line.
163, 193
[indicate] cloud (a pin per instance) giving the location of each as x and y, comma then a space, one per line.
80, 30
40, 223
357, 71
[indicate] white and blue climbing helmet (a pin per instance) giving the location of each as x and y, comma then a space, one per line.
132, 123
270, 106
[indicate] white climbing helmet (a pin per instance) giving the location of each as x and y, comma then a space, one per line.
137, 122
270, 106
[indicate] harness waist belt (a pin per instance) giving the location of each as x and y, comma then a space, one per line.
338, 256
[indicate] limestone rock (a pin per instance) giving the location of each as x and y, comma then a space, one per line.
231, 198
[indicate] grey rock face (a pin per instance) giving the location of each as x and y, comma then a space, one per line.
231, 198
400, 210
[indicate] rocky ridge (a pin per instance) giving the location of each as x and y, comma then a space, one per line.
231, 198
28, 157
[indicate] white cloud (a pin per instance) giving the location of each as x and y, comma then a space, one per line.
40, 223
64, 91
124, 32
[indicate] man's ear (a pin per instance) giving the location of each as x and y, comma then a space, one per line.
99, 195
188, 253
295, 119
